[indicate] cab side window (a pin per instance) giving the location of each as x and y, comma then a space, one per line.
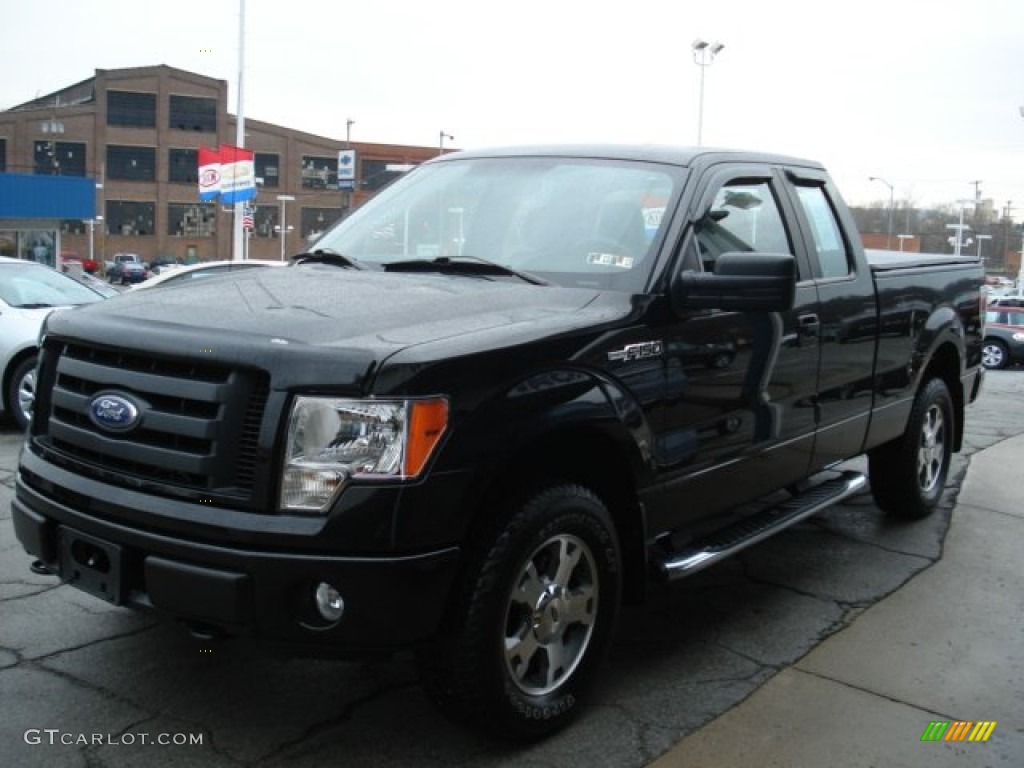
828, 239
745, 216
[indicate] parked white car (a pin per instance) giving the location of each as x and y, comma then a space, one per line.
202, 270
28, 293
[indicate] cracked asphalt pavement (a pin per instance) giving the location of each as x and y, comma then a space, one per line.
87, 684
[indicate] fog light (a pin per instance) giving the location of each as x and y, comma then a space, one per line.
329, 602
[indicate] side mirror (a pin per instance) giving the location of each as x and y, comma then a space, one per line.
741, 282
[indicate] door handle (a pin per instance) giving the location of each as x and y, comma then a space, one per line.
809, 325
809, 321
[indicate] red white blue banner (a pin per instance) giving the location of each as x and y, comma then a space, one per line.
227, 172
237, 174
209, 174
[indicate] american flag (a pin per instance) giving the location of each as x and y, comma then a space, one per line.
248, 220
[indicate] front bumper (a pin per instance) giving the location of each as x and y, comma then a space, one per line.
224, 587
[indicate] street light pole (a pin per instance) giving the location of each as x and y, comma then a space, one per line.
1020, 266
284, 199
349, 122
703, 55
888, 236
440, 144
980, 238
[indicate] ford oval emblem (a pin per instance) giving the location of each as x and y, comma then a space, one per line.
114, 413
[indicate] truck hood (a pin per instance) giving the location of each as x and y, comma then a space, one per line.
319, 311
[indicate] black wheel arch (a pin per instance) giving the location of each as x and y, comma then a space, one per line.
947, 363
595, 436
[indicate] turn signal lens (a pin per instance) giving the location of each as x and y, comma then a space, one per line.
428, 420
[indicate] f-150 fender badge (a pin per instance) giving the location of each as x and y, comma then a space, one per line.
639, 351
114, 413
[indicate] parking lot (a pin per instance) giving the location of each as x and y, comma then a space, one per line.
84, 684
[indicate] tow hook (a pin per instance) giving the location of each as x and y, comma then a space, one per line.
204, 632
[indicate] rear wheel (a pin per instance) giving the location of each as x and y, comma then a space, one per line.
994, 354
909, 473
526, 635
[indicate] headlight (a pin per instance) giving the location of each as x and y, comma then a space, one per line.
331, 440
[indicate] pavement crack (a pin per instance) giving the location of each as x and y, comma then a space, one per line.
43, 589
97, 641
346, 714
85, 685
870, 692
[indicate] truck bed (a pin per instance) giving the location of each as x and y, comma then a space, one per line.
883, 260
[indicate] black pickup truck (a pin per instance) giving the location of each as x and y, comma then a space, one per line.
491, 406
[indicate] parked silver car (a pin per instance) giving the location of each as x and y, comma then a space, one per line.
28, 293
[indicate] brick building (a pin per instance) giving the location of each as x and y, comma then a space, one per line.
136, 133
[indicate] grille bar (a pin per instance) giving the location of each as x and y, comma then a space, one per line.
103, 376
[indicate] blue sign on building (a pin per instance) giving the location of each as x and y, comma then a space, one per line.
28, 196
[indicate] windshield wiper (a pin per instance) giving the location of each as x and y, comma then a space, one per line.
34, 305
326, 256
461, 265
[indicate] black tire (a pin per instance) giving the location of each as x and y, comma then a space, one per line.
532, 620
21, 392
908, 475
994, 354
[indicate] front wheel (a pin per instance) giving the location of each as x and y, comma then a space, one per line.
994, 354
909, 473
532, 620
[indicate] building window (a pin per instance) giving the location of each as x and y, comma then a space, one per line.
72, 226
319, 172
127, 217
59, 158
3, 155
316, 220
267, 166
191, 219
376, 174
265, 221
136, 110
193, 113
183, 166
131, 163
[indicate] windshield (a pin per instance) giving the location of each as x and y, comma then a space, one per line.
30, 285
573, 222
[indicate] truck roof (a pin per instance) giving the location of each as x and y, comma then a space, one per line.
656, 153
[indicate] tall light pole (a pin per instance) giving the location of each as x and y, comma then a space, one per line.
888, 236
349, 122
703, 55
283, 226
1020, 266
440, 143
237, 231
959, 242
981, 238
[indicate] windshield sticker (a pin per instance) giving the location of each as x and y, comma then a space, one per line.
610, 260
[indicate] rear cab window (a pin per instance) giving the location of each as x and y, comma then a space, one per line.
833, 257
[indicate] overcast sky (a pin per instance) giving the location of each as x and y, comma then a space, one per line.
923, 93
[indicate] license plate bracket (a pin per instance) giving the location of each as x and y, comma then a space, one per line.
90, 564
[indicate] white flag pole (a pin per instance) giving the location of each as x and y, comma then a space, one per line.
238, 238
